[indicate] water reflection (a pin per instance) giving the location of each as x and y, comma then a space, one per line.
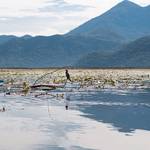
127, 112
27, 121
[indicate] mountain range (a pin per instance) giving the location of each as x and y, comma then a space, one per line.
118, 38
51, 51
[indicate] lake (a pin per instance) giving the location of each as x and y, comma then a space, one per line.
96, 120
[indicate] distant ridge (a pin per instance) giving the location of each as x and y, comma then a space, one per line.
136, 54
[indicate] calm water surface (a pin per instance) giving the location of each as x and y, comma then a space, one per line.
95, 120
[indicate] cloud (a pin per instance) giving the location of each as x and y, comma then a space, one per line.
62, 6
28, 25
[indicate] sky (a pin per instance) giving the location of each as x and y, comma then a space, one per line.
48, 17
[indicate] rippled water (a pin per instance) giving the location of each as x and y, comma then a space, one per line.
103, 120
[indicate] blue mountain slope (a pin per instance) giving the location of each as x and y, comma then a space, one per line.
51, 51
136, 54
6, 38
126, 20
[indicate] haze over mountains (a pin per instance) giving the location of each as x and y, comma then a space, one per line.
104, 41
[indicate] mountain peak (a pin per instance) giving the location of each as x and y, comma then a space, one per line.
127, 3
27, 36
125, 7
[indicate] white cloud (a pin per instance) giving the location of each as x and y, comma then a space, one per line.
49, 17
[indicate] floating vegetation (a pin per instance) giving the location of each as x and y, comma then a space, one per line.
53, 79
